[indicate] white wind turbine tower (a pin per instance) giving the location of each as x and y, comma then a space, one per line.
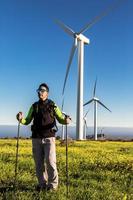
96, 101
79, 41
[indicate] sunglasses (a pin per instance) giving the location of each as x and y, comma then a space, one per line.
41, 90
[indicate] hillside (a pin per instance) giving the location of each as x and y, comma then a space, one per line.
97, 171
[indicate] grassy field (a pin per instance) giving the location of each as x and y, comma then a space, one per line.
97, 171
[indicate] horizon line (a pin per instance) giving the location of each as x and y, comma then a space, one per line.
73, 126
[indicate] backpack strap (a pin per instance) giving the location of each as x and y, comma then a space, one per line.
52, 106
35, 107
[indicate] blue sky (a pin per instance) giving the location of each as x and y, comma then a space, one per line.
33, 49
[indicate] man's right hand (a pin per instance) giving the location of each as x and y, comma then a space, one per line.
19, 116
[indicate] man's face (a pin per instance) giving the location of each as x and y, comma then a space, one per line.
42, 93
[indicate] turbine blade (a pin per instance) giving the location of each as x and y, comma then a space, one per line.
100, 16
88, 102
94, 91
73, 49
65, 28
85, 122
62, 105
86, 125
103, 105
86, 113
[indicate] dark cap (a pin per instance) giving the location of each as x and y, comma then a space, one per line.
44, 85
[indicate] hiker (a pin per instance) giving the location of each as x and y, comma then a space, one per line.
44, 114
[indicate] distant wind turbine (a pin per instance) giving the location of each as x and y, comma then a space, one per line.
96, 101
85, 123
79, 41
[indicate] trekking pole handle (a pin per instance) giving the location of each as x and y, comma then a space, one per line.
67, 116
18, 116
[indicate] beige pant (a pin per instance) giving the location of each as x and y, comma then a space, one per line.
44, 154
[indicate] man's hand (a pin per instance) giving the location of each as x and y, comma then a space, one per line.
68, 120
19, 116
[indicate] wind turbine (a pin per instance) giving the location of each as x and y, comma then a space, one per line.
79, 41
96, 101
85, 123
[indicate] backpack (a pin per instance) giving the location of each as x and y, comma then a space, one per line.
44, 116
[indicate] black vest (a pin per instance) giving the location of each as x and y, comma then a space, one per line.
43, 119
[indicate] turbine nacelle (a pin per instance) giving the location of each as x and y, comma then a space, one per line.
81, 37
96, 99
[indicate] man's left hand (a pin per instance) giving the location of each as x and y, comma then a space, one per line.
68, 120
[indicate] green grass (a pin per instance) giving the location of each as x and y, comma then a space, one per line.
97, 171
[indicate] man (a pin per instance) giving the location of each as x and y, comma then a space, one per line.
43, 113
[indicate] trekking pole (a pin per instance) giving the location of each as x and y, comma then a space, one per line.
66, 163
17, 147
